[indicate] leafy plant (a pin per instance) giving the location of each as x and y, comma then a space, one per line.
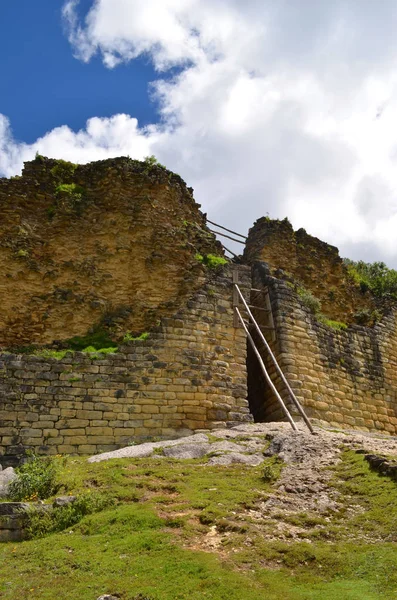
62, 517
91, 350
97, 338
151, 161
376, 277
36, 480
70, 188
128, 337
339, 325
308, 300
211, 260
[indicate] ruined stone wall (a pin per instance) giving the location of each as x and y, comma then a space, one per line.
190, 374
109, 245
344, 378
310, 262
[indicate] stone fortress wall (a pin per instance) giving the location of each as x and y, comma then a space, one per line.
109, 245
345, 378
188, 375
120, 247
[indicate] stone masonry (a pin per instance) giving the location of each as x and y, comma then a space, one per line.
344, 378
190, 374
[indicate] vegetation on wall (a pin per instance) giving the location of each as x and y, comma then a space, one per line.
375, 277
211, 260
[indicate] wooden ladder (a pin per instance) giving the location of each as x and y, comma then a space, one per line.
239, 302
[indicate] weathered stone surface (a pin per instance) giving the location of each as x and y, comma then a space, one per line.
185, 451
121, 255
165, 386
312, 263
237, 458
6, 477
13, 521
62, 501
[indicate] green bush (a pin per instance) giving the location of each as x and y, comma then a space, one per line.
308, 300
36, 480
62, 517
211, 260
151, 161
72, 189
99, 338
376, 277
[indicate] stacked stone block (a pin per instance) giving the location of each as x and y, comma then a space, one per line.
190, 374
344, 378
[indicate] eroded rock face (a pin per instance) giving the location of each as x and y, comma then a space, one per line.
7, 476
110, 245
311, 263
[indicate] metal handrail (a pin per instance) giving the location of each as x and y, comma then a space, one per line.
278, 368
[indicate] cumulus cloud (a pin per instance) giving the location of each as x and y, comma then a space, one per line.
285, 108
102, 138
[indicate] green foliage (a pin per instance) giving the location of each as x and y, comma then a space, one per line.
37, 480
63, 517
339, 325
63, 170
91, 350
47, 353
211, 260
151, 161
128, 337
308, 300
376, 277
98, 338
72, 189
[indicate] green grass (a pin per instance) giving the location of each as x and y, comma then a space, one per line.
338, 325
160, 512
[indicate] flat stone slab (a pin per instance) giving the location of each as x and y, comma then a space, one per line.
187, 451
233, 458
227, 447
147, 449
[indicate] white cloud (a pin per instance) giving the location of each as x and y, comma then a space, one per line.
286, 108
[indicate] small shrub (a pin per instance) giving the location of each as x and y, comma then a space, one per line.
151, 161
308, 300
211, 260
62, 517
128, 337
36, 480
269, 474
63, 170
376, 277
98, 338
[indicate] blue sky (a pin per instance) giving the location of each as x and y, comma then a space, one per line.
44, 86
282, 108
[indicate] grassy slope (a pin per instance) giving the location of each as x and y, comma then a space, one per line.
162, 510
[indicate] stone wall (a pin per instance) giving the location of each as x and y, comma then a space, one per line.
311, 263
106, 246
344, 378
190, 374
